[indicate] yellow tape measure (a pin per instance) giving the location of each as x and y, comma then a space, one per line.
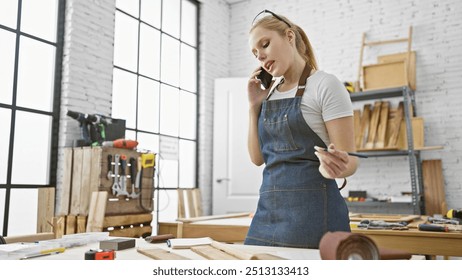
148, 160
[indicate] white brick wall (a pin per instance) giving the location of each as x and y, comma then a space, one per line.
335, 27
87, 69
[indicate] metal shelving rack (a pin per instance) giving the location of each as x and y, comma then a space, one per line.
415, 166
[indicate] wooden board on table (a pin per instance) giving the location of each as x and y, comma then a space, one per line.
160, 254
211, 253
97, 211
383, 217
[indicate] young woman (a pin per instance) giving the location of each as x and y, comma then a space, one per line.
301, 128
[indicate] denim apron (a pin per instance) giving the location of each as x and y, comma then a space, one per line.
297, 205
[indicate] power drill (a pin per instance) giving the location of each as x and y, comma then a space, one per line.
92, 127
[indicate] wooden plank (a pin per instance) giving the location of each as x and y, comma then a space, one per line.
124, 220
62, 203
97, 211
71, 224
395, 125
81, 224
136, 232
160, 254
214, 217
417, 124
357, 127
29, 238
385, 75
373, 125
181, 204
212, 253
58, 226
96, 169
400, 57
46, 209
85, 193
76, 181
382, 127
383, 217
433, 183
365, 121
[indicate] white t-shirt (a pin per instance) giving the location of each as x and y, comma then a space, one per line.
325, 99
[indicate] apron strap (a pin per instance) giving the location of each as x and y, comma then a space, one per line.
302, 82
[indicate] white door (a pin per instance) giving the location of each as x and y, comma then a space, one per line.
236, 180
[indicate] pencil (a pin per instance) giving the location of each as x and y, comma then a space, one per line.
352, 154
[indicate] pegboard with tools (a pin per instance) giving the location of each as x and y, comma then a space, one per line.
107, 189
127, 176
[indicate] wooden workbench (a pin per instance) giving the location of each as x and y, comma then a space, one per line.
413, 241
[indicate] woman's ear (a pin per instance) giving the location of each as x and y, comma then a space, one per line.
290, 36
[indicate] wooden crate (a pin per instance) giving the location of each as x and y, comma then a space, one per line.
385, 75
402, 57
86, 173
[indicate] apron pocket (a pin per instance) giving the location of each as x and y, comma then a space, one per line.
281, 136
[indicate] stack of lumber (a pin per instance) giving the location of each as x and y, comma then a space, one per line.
381, 127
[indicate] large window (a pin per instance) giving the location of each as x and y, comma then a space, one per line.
29, 104
155, 88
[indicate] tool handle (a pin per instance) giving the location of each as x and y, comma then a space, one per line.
109, 162
132, 169
427, 227
123, 164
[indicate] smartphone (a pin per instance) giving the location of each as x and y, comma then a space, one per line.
265, 78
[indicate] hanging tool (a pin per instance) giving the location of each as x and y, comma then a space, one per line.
121, 143
123, 177
146, 160
133, 174
109, 167
115, 185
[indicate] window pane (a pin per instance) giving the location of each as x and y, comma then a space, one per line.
130, 134
5, 123
8, 13
188, 68
188, 113
35, 74
170, 58
148, 105
168, 173
129, 6
2, 207
124, 97
39, 18
168, 205
171, 17
125, 42
149, 51
169, 110
189, 23
148, 142
7, 50
150, 12
31, 153
23, 212
187, 164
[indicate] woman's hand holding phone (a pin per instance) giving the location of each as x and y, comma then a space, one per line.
255, 91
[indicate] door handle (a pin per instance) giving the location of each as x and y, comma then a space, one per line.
219, 180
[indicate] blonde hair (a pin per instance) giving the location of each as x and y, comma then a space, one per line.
281, 25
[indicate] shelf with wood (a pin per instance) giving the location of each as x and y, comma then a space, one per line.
382, 132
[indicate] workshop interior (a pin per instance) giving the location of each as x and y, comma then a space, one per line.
124, 128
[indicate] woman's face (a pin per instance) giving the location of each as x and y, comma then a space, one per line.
271, 49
